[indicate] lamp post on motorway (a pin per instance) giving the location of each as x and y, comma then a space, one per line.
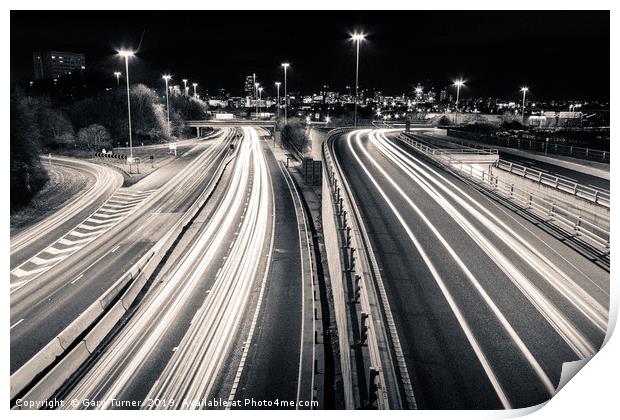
524, 89
126, 54
195, 94
256, 85
278, 95
185, 89
118, 78
358, 38
458, 84
167, 77
260, 101
285, 66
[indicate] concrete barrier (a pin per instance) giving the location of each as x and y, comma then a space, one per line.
58, 375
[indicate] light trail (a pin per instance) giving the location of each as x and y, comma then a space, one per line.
567, 287
441, 191
482, 358
203, 347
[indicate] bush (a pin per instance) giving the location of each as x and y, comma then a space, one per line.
94, 137
294, 138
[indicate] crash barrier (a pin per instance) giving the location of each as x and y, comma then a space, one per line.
567, 220
40, 377
362, 336
545, 147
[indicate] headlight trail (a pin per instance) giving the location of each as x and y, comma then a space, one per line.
203, 346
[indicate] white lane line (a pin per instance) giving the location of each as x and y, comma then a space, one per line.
77, 278
16, 324
114, 249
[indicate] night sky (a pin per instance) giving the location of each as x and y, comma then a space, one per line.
559, 55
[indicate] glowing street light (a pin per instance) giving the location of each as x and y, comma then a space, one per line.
167, 78
358, 38
185, 88
458, 84
256, 85
524, 89
278, 94
285, 66
195, 86
260, 100
126, 54
118, 77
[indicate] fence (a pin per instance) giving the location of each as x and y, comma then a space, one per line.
568, 221
545, 147
593, 195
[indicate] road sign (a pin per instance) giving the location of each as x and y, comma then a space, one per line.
133, 160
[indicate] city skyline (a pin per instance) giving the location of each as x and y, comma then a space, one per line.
394, 57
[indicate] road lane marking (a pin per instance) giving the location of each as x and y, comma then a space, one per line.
16, 324
77, 278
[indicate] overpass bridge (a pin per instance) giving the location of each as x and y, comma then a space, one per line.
200, 124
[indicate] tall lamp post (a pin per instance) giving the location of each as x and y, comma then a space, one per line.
524, 89
167, 78
285, 66
195, 85
458, 84
126, 54
358, 38
118, 78
260, 101
278, 95
256, 85
185, 88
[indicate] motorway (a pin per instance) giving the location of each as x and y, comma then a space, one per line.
228, 315
57, 284
487, 305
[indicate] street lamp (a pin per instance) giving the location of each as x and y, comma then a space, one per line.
278, 95
358, 38
195, 85
458, 84
524, 89
285, 66
256, 85
260, 100
167, 78
126, 54
185, 88
118, 76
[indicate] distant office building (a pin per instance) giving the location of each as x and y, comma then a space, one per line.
248, 87
54, 64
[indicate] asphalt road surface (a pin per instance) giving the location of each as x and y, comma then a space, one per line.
487, 305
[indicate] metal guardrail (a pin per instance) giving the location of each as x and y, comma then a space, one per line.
362, 337
593, 195
566, 220
537, 146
